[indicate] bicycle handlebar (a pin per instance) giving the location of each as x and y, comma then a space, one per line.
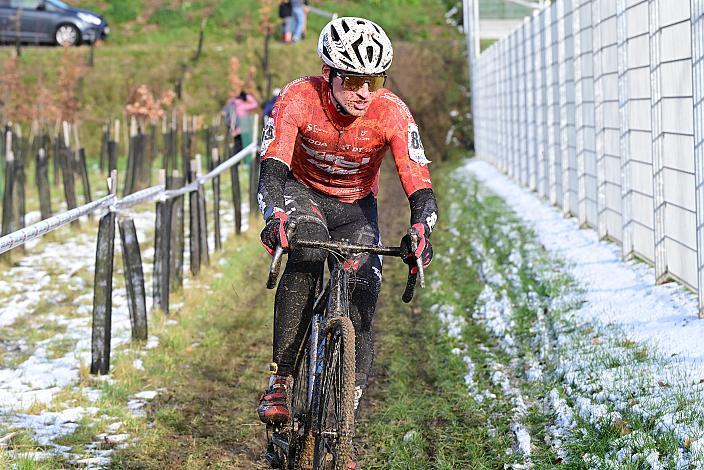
350, 249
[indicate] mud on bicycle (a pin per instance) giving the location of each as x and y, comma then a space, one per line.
319, 434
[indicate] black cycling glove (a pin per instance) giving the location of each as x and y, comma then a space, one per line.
274, 232
424, 214
424, 250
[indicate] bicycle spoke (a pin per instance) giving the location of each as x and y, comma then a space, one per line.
336, 391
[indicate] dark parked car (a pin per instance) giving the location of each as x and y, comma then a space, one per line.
49, 21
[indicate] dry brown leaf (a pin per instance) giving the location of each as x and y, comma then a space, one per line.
622, 427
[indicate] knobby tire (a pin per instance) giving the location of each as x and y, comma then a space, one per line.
335, 397
301, 437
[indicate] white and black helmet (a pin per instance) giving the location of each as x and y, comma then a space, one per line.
355, 45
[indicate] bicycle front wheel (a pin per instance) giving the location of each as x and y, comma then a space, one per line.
335, 397
301, 437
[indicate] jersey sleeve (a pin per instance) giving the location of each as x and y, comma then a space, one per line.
407, 148
281, 129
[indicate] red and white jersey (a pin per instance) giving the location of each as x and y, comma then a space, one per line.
340, 155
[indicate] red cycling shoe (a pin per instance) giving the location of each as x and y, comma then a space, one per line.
273, 405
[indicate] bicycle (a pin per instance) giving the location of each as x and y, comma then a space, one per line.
319, 435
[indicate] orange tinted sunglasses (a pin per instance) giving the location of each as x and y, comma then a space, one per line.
355, 82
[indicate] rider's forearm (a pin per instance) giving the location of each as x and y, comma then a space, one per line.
424, 209
272, 179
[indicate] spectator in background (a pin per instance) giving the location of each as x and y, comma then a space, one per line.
233, 112
299, 8
285, 12
269, 105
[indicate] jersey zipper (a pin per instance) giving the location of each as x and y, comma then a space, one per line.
339, 138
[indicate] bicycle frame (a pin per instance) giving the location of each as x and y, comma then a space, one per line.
330, 303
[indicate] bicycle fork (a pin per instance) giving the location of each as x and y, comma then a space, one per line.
313, 365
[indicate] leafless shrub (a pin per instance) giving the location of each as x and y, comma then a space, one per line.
71, 69
236, 83
250, 85
15, 101
144, 106
266, 10
45, 111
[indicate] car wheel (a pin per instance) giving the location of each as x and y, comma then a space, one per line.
67, 35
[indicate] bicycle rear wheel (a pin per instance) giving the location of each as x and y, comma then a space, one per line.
335, 397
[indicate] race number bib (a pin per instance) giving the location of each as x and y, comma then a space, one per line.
267, 135
415, 147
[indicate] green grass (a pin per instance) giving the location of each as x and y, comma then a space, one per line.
426, 419
426, 416
209, 366
484, 44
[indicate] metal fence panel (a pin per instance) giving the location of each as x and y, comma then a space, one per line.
584, 113
512, 67
500, 103
568, 143
609, 217
545, 60
673, 129
697, 19
533, 106
553, 103
525, 86
635, 129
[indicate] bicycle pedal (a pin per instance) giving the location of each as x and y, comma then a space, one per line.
272, 457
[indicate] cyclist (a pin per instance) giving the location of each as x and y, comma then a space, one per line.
321, 155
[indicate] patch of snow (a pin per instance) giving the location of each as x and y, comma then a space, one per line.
146, 395
152, 342
615, 291
49, 425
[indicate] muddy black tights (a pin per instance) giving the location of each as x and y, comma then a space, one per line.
295, 298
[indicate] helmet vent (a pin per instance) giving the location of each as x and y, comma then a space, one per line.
381, 48
355, 48
348, 64
346, 55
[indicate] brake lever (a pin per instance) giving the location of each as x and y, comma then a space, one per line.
275, 265
419, 261
419, 275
